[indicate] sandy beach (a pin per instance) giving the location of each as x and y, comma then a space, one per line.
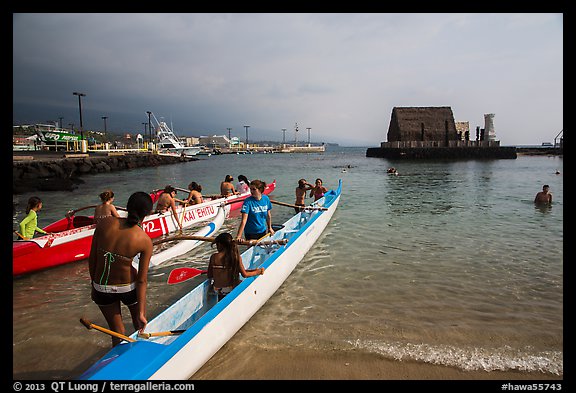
338, 365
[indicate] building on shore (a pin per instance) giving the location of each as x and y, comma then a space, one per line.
431, 132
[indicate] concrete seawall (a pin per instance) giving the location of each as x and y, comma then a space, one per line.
48, 173
442, 152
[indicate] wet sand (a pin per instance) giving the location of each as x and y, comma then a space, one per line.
259, 364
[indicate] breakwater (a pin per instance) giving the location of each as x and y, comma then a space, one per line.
442, 152
40, 173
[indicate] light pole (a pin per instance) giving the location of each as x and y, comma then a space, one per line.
80, 95
229, 136
105, 128
283, 136
144, 124
149, 128
60, 118
308, 128
247, 136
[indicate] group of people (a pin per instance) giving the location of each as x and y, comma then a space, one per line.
227, 187
317, 190
116, 241
167, 199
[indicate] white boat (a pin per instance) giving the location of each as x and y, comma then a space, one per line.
168, 142
185, 246
188, 333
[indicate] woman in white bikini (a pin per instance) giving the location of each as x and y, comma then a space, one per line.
114, 280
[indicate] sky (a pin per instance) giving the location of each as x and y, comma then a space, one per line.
338, 74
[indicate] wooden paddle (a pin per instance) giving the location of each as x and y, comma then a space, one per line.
70, 213
181, 189
299, 207
212, 239
182, 274
19, 234
89, 325
157, 334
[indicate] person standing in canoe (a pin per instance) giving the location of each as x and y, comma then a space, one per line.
106, 208
227, 188
29, 225
226, 266
318, 190
303, 187
114, 280
256, 213
195, 196
167, 202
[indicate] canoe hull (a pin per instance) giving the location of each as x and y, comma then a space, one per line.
210, 324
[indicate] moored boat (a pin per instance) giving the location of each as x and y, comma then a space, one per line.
169, 143
189, 332
69, 238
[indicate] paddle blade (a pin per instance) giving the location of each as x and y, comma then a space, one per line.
182, 274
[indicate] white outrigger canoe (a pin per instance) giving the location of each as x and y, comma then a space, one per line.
195, 327
184, 246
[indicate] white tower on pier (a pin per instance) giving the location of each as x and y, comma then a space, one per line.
489, 133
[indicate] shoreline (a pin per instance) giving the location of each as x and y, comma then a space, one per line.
261, 364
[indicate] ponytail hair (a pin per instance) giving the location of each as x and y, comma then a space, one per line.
139, 206
243, 178
106, 195
32, 203
231, 254
259, 184
194, 187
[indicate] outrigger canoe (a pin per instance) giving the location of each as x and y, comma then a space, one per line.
70, 237
184, 246
189, 332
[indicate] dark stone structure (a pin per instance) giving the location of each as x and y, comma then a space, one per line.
422, 124
430, 132
63, 174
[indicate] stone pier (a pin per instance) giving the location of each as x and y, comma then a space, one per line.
442, 152
34, 172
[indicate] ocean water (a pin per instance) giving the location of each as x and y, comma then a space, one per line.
448, 263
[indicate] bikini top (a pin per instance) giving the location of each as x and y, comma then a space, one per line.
109, 259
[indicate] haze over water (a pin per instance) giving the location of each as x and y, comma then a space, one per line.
448, 263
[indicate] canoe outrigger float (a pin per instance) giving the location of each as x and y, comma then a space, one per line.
70, 237
183, 337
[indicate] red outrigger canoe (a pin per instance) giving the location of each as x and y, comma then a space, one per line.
70, 238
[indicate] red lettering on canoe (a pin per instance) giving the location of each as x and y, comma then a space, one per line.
151, 226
